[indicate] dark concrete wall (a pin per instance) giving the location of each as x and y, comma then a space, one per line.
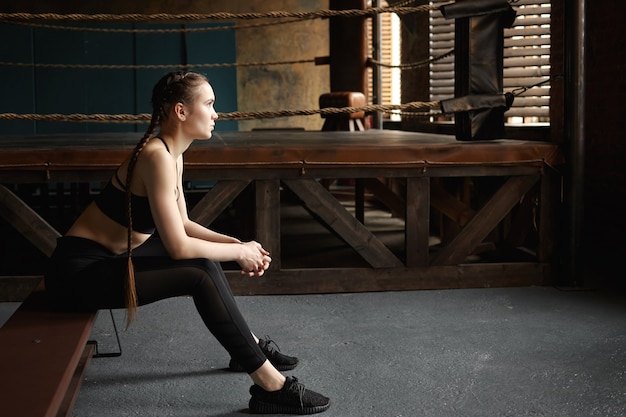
605, 169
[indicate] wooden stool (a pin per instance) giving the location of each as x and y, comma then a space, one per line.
343, 121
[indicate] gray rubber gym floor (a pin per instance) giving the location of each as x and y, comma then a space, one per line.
537, 351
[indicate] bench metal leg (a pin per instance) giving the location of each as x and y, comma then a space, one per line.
94, 343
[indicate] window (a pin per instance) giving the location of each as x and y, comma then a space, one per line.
526, 60
390, 56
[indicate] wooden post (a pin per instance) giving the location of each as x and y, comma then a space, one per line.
348, 49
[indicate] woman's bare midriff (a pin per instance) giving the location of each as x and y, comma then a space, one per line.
93, 224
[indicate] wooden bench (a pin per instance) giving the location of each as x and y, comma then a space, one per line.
44, 353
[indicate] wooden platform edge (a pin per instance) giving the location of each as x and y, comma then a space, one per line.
354, 280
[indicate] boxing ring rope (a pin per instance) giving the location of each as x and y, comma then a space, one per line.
168, 30
407, 109
412, 109
155, 66
27, 18
145, 118
194, 17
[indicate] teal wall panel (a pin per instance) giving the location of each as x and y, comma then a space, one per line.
109, 91
155, 49
16, 83
45, 90
216, 47
59, 90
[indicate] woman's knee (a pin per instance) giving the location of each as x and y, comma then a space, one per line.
212, 269
204, 274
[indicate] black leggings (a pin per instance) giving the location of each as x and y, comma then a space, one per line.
83, 274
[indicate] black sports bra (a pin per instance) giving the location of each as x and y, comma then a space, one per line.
112, 202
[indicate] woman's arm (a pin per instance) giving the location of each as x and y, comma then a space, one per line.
183, 238
197, 230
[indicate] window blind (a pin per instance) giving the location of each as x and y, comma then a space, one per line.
526, 60
390, 55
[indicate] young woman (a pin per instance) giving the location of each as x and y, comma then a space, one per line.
135, 245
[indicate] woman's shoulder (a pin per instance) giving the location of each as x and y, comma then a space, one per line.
155, 164
154, 153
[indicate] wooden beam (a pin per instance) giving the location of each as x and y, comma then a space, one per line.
449, 205
385, 195
341, 280
417, 221
268, 218
26, 221
524, 221
484, 221
216, 200
550, 201
348, 48
321, 202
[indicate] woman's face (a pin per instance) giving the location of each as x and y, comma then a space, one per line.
200, 115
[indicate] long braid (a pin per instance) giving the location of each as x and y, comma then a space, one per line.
172, 88
130, 290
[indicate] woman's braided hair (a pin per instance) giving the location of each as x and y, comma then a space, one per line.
174, 87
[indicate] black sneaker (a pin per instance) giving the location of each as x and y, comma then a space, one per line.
280, 361
293, 398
